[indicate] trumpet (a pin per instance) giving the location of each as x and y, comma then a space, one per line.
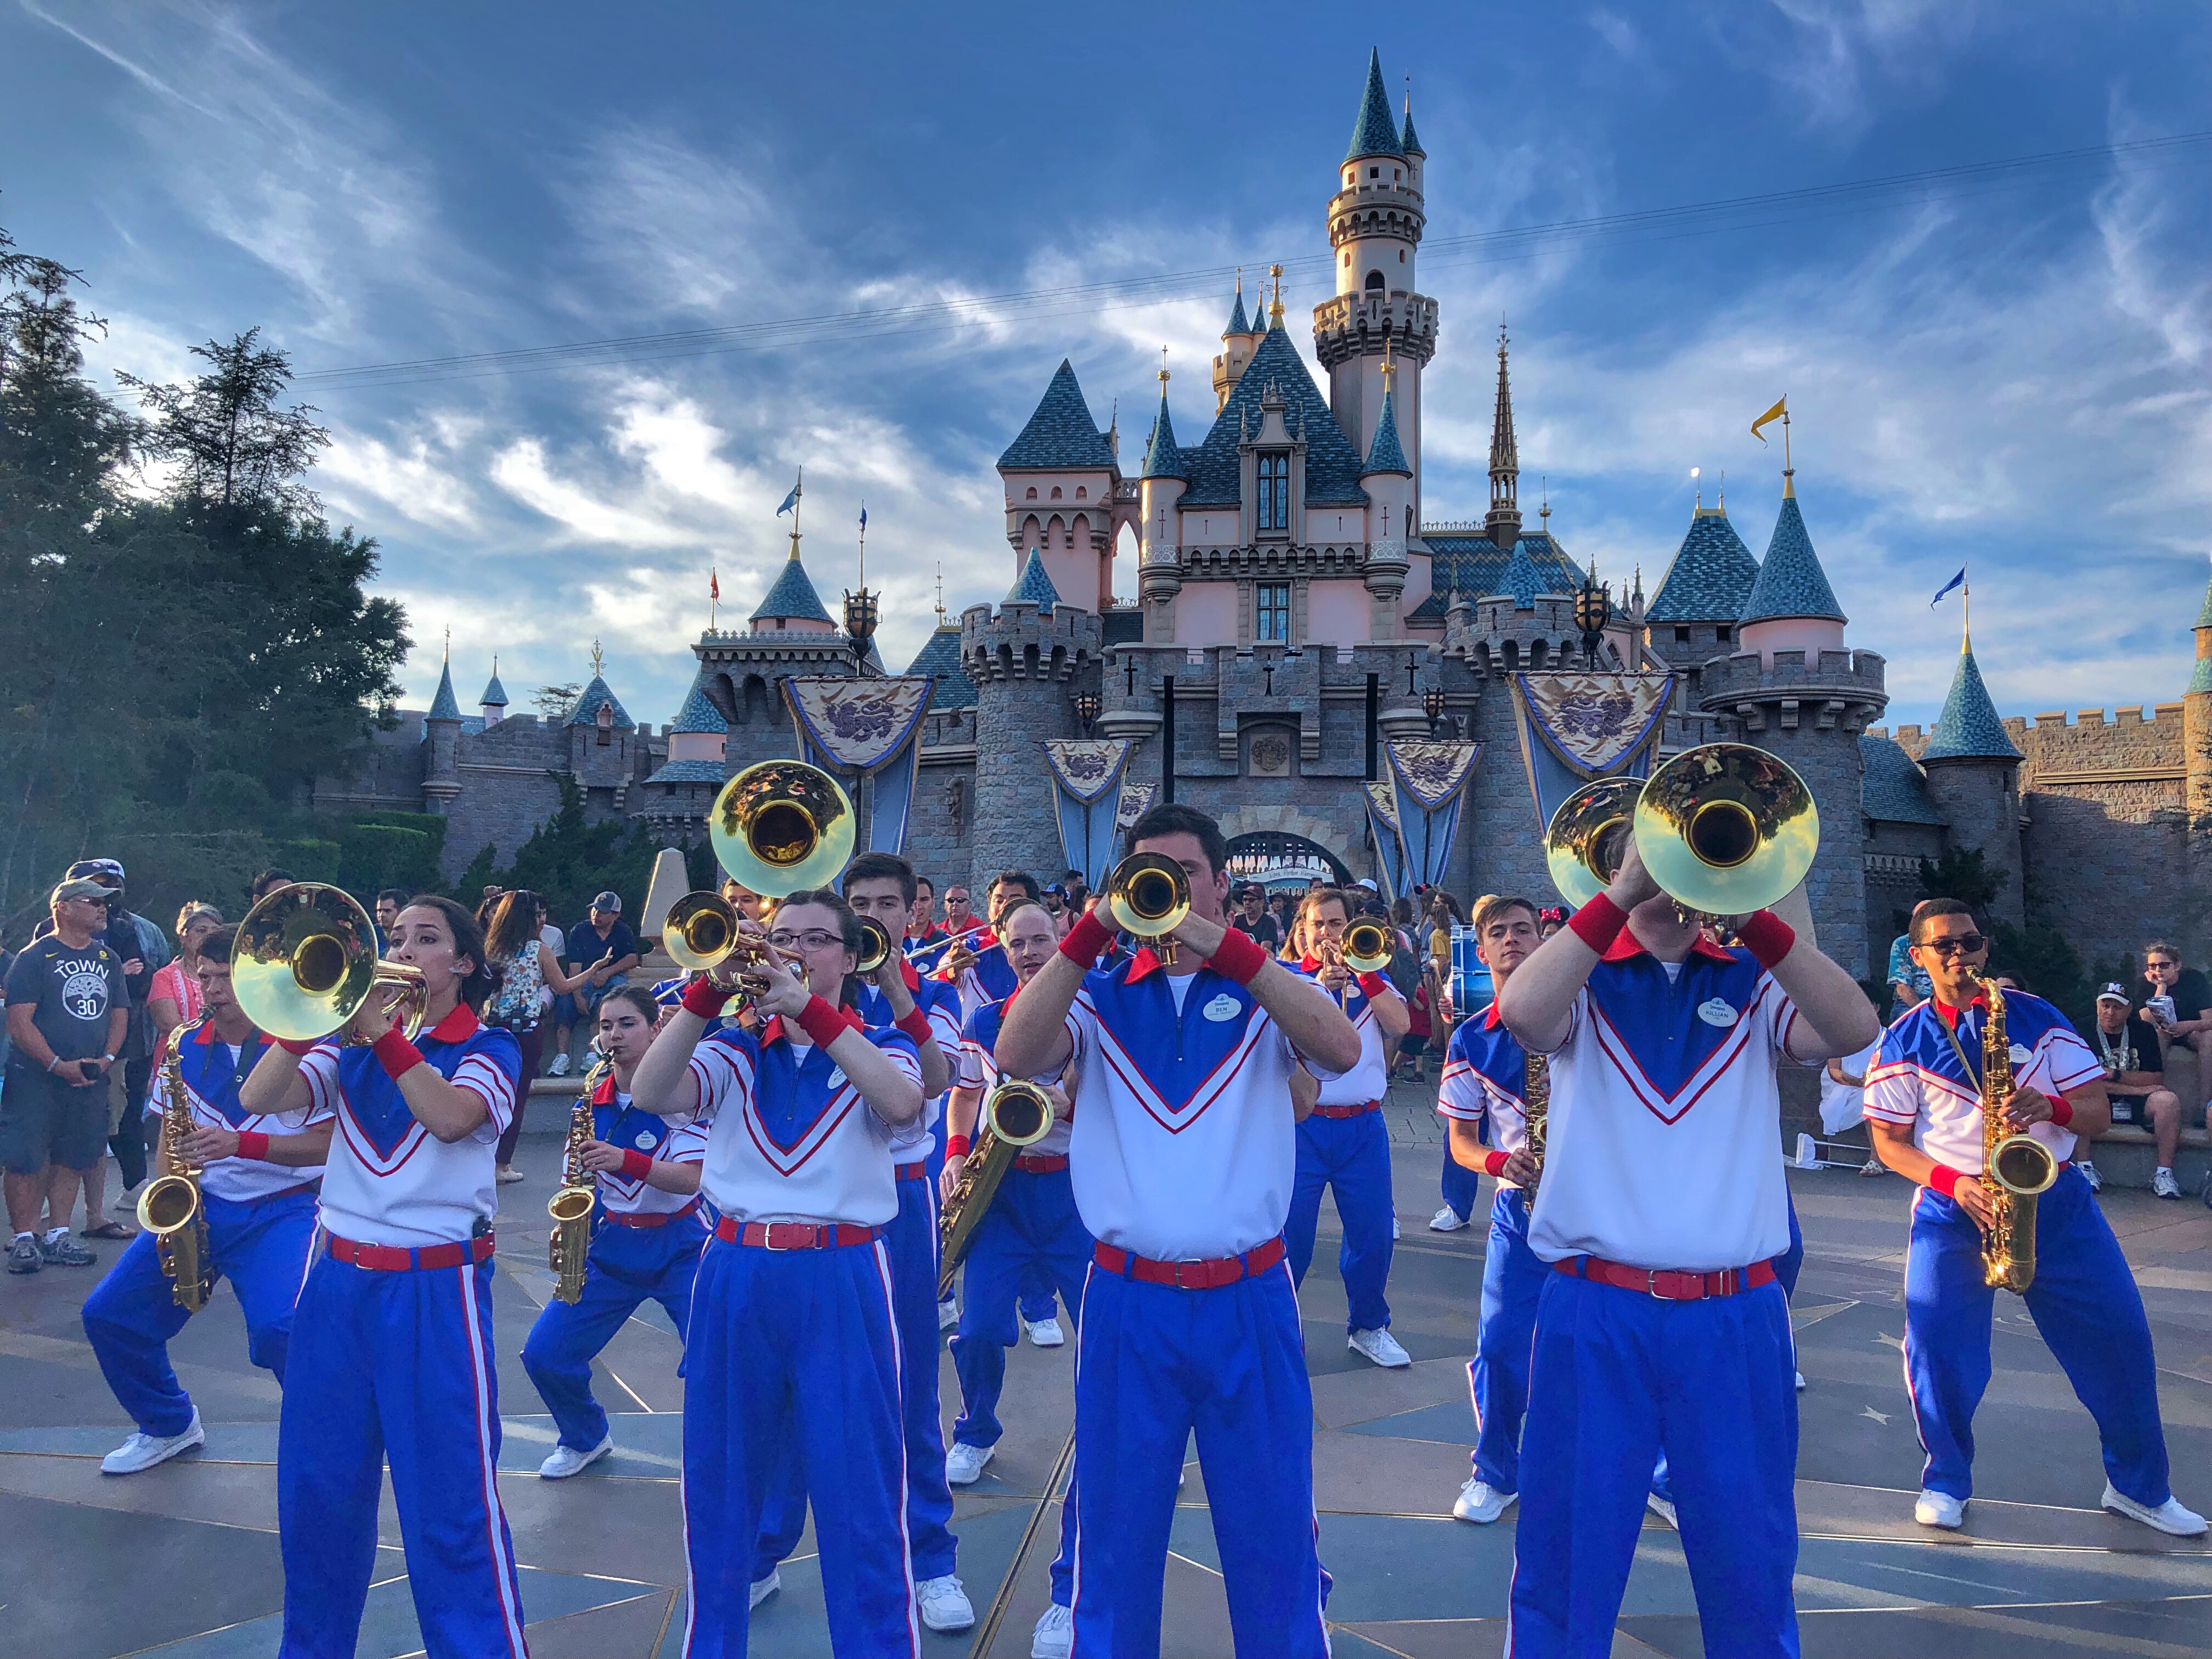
1149, 897
1015, 1115
304, 961
781, 826
875, 946
1365, 947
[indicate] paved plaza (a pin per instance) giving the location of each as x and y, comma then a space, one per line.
183, 1559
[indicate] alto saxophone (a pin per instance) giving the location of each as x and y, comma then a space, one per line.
2016, 1168
170, 1208
1536, 1110
571, 1207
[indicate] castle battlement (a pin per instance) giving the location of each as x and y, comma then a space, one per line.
1018, 641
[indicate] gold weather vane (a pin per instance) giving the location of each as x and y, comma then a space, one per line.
449, 645
599, 661
940, 592
1275, 308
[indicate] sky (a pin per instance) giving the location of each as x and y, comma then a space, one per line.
2010, 369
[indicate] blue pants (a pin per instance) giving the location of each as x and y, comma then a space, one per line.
128, 1318
394, 1366
627, 1267
1498, 1376
912, 1241
1615, 1377
2084, 1302
1461, 1185
1351, 1154
1152, 1365
797, 1348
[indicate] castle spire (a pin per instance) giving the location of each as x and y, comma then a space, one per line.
1968, 728
1163, 459
1275, 306
1504, 522
1374, 133
1237, 323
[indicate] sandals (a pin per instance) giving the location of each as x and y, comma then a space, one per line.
115, 1230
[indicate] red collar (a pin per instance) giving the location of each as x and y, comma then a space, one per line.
1626, 946
1310, 964
205, 1036
1949, 1015
456, 1027
604, 1094
913, 980
1489, 1020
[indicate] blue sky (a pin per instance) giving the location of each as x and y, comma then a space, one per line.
2020, 376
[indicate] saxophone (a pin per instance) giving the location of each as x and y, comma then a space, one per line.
170, 1208
1536, 1109
1014, 1114
571, 1207
2016, 1168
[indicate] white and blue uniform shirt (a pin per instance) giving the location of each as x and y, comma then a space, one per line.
390, 1181
790, 1137
212, 1070
941, 1005
1364, 1082
979, 1069
1664, 1148
1485, 1081
1917, 1079
677, 1139
1184, 1146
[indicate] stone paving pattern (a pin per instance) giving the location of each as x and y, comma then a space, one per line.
183, 1557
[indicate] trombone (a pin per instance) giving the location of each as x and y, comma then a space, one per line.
1364, 948
304, 961
1149, 897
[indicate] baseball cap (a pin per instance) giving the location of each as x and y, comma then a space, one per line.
78, 887
2113, 991
609, 902
96, 867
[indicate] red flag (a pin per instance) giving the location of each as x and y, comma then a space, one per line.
714, 585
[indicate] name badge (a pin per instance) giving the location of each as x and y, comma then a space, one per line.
1223, 1008
1715, 1010
2020, 1055
647, 1141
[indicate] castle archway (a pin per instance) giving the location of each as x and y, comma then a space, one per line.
1277, 860
1344, 857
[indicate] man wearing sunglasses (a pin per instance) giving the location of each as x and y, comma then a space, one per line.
1923, 1109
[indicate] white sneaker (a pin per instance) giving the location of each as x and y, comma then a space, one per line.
964, 1463
1873, 1166
944, 1604
1940, 1509
948, 1314
1447, 1220
1380, 1346
2089, 1174
2170, 1517
126, 1201
1660, 1507
1480, 1503
1055, 1634
1043, 1334
507, 1175
2164, 1185
142, 1451
567, 1460
1800, 1382
764, 1588
559, 1065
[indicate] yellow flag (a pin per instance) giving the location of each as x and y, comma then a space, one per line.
1781, 407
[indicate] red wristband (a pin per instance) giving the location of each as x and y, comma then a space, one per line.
292, 1048
704, 997
1087, 940
1494, 1163
956, 1146
1945, 1180
1237, 958
396, 1053
2061, 1110
636, 1165
916, 1025
823, 1024
1767, 937
1373, 985
1598, 923
252, 1143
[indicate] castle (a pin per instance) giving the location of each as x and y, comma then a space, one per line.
1295, 607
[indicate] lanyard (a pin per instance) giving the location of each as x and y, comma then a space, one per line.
1974, 1075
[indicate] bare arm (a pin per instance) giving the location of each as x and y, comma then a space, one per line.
1834, 1015
1315, 1026
1034, 1040
206, 1144
1305, 1093
548, 965
167, 1015
276, 1084
600, 1158
664, 1083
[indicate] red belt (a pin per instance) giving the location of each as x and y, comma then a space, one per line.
398, 1259
792, 1235
910, 1171
1346, 1111
1665, 1283
650, 1217
1043, 1164
1191, 1275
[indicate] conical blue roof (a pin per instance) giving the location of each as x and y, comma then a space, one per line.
585, 711
940, 657
2201, 680
495, 694
1374, 133
1712, 576
1411, 145
1060, 434
1522, 579
1790, 581
1034, 586
1969, 728
699, 713
1214, 466
445, 706
1386, 454
793, 597
1162, 458
1237, 323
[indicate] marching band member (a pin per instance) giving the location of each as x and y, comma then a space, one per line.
1182, 1159
1923, 1108
1662, 1206
1343, 1142
881, 886
645, 1246
794, 1338
390, 1355
258, 1176
1485, 1078
973, 960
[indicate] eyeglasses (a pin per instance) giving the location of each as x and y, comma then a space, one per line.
1958, 944
814, 940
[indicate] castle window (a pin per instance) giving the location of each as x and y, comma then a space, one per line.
1032, 494
1401, 256
1272, 623
1080, 492
1397, 173
1721, 635
1055, 492
1374, 282
1375, 173
1681, 636
1275, 503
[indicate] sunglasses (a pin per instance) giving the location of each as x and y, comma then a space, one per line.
1957, 944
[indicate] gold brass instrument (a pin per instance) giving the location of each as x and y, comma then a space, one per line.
781, 826
875, 946
1015, 1115
1585, 842
305, 960
570, 1208
170, 1208
1536, 1109
1365, 947
2016, 1168
1149, 896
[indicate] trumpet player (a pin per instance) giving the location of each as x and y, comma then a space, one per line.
1342, 1142
1923, 1106
793, 1344
258, 1180
645, 1246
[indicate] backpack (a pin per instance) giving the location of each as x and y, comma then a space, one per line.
1404, 972
515, 1005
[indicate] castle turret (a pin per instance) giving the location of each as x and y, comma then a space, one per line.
1707, 586
1238, 342
494, 700
1388, 482
1503, 523
1167, 477
1027, 661
1790, 605
1060, 476
2196, 770
442, 739
1973, 778
791, 606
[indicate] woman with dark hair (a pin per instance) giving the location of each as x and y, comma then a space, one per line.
526, 968
391, 1356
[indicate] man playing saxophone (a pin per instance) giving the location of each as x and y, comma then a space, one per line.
258, 1180
1924, 1108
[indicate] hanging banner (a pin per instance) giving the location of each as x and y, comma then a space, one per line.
1382, 828
1575, 728
1086, 775
1136, 801
861, 728
1428, 780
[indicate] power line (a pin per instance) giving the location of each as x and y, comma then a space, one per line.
1651, 224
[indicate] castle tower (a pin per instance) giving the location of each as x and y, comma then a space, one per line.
1166, 476
1790, 605
1388, 482
1503, 523
1973, 778
494, 700
441, 740
2196, 753
1707, 588
1376, 218
1061, 479
1238, 342
1028, 661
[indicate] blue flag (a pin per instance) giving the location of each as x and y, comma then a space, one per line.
864, 521
789, 501
1958, 581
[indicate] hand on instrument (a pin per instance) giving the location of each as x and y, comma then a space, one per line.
1631, 883
949, 1176
2026, 1106
1332, 977
1199, 936
600, 1158
1521, 1170
379, 1012
1974, 1198
957, 961
1063, 1109
786, 993
202, 1145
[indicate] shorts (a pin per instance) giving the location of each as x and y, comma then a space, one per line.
2129, 1108
44, 1121
583, 1002
1411, 1047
